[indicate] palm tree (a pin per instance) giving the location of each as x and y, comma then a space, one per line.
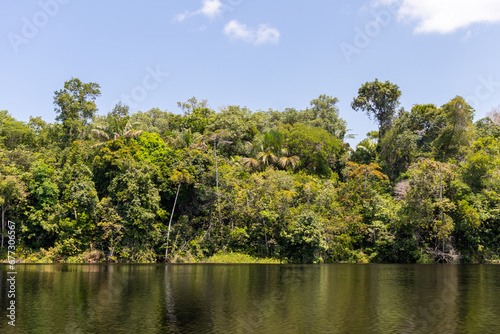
250, 162
186, 138
267, 158
366, 170
117, 127
286, 161
366, 151
268, 150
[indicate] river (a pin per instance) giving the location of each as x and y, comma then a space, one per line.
252, 298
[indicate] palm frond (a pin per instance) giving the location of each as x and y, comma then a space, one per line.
100, 134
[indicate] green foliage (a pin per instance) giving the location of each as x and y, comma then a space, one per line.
237, 258
156, 121
427, 122
13, 132
363, 174
12, 191
239, 126
428, 204
481, 167
379, 99
316, 148
457, 132
485, 127
365, 153
75, 107
116, 124
252, 186
137, 200
324, 114
197, 115
400, 146
303, 239
269, 149
152, 148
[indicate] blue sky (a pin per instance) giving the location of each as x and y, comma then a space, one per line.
256, 53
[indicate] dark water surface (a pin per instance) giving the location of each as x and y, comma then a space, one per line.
210, 298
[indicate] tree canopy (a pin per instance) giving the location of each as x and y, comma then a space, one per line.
157, 185
379, 100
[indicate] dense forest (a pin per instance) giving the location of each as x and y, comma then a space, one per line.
160, 186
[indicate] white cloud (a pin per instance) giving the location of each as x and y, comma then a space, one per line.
209, 8
182, 16
263, 35
235, 30
267, 35
445, 16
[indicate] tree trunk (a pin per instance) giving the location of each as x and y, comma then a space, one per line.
265, 235
217, 183
170, 221
441, 199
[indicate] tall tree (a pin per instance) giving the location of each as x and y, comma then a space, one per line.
380, 100
75, 106
197, 114
324, 113
427, 205
399, 146
316, 148
457, 132
427, 121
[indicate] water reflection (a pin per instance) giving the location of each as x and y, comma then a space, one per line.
170, 304
65, 298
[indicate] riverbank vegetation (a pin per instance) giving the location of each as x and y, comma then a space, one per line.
424, 187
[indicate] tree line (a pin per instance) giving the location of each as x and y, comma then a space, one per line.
160, 186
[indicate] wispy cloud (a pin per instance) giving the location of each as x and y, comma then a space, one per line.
264, 34
445, 16
182, 16
209, 8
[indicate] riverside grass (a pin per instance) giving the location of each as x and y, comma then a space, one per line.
231, 257
97, 257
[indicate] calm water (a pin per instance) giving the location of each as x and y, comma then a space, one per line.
208, 298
